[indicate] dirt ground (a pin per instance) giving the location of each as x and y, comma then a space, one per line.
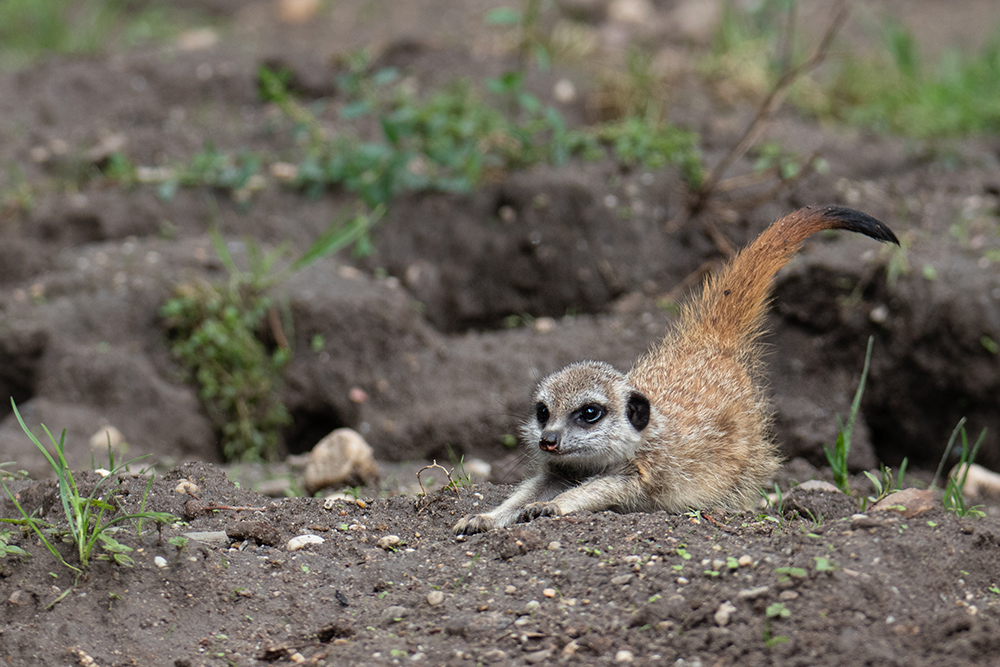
465, 302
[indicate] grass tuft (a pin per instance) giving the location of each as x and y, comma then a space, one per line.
91, 518
837, 457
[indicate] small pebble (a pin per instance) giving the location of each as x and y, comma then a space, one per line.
532, 606
745, 560
621, 579
160, 561
388, 542
394, 613
752, 593
549, 592
789, 595
681, 581
496, 655
724, 613
624, 656
509, 589
187, 487
537, 656
301, 541
434, 598
554, 546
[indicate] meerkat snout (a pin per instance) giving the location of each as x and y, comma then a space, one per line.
549, 441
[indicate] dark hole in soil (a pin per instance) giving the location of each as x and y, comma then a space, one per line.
309, 427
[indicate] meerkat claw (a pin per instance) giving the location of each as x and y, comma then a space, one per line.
470, 525
535, 510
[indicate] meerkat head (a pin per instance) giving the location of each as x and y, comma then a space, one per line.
587, 415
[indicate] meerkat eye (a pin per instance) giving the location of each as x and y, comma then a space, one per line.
591, 413
541, 413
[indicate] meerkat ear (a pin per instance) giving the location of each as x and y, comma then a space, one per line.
637, 410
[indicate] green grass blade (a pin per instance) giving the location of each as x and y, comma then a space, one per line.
947, 451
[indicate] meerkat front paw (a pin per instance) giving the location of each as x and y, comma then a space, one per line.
477, 523
535, 510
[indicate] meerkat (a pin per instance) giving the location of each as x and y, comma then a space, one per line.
689, 426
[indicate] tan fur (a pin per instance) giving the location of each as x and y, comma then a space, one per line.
705, 443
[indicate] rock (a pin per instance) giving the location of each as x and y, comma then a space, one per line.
297, 11
388, 542
160, 561
108, 434
753, 593
303, 541
979, 482
394, 614
434, 598
624, 656
724, 613
859, 521
216, 538
537, 656
635, 12
342, 458
818, 485
477, 468
908, 502
554, 545
621, 580
549, 592
197, 39
186, 486
494, 655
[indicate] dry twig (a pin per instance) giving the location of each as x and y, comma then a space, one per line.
714, 182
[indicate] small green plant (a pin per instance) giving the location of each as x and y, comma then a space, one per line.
179, 541
8, 549
837, 457
216, 332
785, 573
824, 564
953, 499
883, 483
88, 516
778, 610
30, 28
896, 92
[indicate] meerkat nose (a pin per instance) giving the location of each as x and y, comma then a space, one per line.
549, 441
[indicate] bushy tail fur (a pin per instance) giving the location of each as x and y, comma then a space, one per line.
731, 309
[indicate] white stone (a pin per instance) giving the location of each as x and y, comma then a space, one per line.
724, 613
388, 542
301, 541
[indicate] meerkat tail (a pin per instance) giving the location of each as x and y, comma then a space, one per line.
732, 304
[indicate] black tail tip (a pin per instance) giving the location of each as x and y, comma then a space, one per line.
856, 221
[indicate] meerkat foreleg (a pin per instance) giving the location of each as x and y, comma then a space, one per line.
596, 494
531, 490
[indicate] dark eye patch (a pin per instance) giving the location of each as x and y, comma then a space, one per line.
541, 413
